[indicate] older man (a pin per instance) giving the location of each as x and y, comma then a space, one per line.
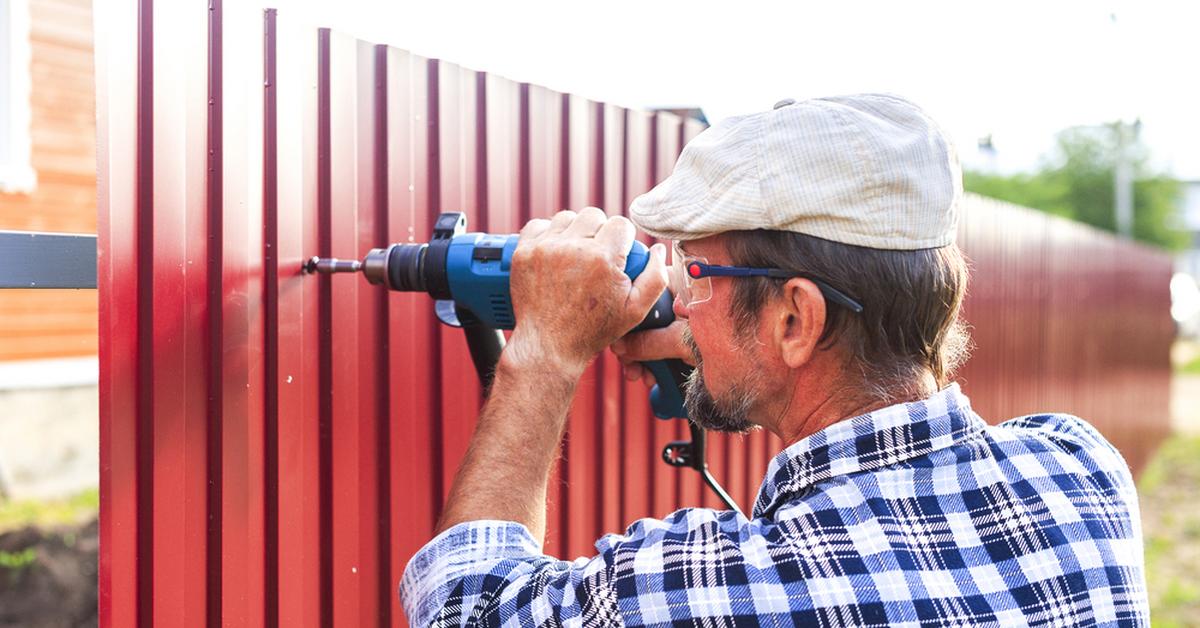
893, 504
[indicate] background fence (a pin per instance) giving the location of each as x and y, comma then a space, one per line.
274, 446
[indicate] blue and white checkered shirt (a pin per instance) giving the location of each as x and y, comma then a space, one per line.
918, 514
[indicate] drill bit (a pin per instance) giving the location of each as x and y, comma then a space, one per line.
331, 265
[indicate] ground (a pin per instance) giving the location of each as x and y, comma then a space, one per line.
1169, 491
48, 554
1170, 499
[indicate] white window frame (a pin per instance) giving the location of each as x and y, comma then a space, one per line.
16, 166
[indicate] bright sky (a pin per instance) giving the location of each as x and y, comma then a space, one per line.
1020, 69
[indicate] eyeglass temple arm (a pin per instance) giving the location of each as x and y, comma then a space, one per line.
831, 293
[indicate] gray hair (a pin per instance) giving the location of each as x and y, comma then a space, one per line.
910, 321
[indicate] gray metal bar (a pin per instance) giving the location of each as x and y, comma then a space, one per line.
30, 259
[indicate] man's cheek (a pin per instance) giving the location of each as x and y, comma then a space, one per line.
715, 376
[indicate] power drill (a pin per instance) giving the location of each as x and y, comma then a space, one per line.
467, 275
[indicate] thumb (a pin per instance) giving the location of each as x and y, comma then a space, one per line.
656, 344
648, 285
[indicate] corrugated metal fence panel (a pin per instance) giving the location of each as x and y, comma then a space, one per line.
116, 190
276, 446
414, 450
294, 474
1067, 318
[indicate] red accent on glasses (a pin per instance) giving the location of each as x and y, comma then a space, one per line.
694, 270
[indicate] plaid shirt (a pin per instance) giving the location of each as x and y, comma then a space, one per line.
918, 514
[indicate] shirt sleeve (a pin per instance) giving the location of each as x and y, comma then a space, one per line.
493, 573
1082, 440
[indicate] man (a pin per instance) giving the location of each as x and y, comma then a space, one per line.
893, 504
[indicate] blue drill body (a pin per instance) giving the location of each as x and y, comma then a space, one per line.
477, 272
467, 275
478, 264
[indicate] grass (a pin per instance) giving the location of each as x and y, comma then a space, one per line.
1190, 368
13, 563
1168, 491
17, 560
48, 513
1185, 356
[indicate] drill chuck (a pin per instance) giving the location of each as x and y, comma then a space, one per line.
399, 267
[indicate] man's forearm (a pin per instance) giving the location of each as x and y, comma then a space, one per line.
506, 470
571, 298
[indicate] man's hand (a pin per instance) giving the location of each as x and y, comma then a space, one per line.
653, 344
571, 298
570, 294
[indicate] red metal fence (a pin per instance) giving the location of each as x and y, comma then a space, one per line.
275, 446
1067, 318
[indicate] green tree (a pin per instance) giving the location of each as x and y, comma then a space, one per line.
1076, 181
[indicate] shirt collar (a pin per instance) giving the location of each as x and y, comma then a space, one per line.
870, 441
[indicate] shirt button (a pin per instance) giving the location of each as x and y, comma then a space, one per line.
785, 102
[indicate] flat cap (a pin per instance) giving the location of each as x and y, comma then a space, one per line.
870, 170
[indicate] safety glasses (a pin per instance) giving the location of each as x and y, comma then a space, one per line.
692, 279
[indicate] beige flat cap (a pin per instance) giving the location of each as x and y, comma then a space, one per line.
871, 170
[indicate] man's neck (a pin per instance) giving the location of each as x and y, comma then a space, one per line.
808, 412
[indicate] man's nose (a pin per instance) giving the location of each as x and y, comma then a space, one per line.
681, 309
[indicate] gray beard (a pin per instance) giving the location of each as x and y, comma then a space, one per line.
729, 414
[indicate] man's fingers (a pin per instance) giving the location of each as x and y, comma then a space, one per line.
617, 235
648, 285
561, 221
586, 223
634, 371
654, 344
534, 228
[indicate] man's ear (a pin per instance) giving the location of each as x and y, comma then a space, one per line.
799, 321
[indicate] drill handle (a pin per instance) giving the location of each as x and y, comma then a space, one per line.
666, 398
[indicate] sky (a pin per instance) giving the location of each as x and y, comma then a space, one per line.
1018, 70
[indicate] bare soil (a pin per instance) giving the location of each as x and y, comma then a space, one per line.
48, 577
